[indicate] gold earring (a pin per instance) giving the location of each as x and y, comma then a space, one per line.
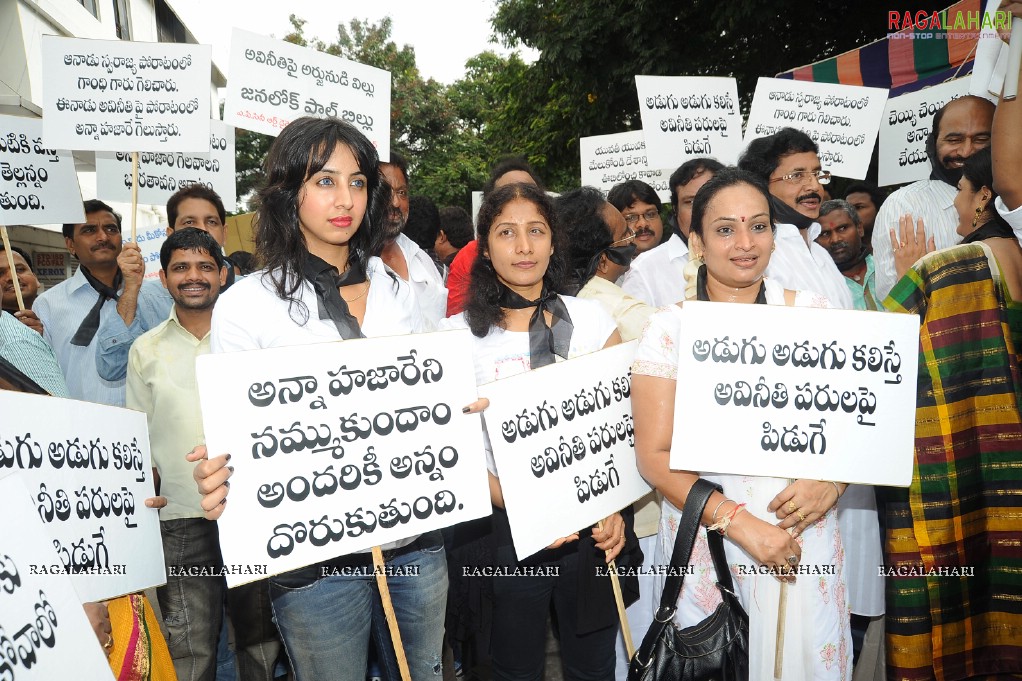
773, 247
975, 218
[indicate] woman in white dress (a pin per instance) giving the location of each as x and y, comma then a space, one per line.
732, 234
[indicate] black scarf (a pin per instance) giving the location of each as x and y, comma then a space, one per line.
995, 228
87, 329
544, 341
619, 255
786, 215
858, 260
701, 293
326, 281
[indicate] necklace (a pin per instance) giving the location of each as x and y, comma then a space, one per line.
365, 289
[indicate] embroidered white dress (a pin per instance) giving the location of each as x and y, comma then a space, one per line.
817, 637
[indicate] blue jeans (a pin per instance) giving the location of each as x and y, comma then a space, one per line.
326, 622
193, 607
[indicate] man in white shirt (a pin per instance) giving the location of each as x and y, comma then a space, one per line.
789, 163
403, 255
961, 128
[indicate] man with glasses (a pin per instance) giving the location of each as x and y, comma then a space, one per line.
959, 130
656, 274
789, 163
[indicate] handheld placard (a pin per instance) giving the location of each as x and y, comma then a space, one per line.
1014, 60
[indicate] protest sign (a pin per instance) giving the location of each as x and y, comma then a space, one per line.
273, 82
161, 174
563, 444
686, 117
608, 160
44, 632
38, 186
339, 447
150, 241
842, 119
906, 125
110, 95
88, 469
796, 392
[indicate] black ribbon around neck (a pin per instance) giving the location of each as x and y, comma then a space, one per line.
545, 342
702, 294
856, 261
785, 214
619, 255
325, 282
90, 325
996, 228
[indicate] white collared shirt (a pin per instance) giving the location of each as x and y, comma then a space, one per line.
931, 200
1012, 217
799, 266
426, 282
657, 276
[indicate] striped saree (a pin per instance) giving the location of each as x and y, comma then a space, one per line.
956, 533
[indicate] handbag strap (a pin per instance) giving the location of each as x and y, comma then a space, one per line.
691, 515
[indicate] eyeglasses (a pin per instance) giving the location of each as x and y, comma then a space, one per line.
802, 176
629, 236
632, 218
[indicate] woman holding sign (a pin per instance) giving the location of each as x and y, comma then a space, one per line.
319, 221
731, 239
519, 322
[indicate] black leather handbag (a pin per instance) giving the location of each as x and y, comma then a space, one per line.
716, 649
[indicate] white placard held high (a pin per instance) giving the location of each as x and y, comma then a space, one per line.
795, 392
160, 174
45, 632
111, 95
88, 468
907, 122
608, 160
564, 447
274, 82
38, 186
685, 117
842, 119
339, 447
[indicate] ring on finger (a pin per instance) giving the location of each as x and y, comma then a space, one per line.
792, 560
791, 506
801, 515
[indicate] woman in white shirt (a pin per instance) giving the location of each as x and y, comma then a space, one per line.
319, 220
519, 322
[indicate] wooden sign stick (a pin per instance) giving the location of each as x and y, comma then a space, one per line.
134, 193
10, 264
615, 584
380, 568
782, 611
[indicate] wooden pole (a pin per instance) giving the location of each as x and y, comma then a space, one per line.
615, 584
10, 264
134, 193
380, 568
782, 612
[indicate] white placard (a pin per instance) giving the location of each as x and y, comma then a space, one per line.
686, 117
563, 443
907, 122
339, 447
89, 471
44, 632
608, 160
150, 241
160, 174
38, 186
792, 392
274, 82
105, 95
842, 119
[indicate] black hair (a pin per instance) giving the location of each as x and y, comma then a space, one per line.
244, 261
688, 171
482, 309
399, 162
423, 222
828, 207
728, 177
456, 223
194, 191
579, 213
507, 165
875, 195
90, 206
979, 171
625, 194
301, 150
20, 251
191, 239
764, 154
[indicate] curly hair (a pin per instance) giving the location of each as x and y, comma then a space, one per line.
763, 154
580, 213
482, 308
300, 151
